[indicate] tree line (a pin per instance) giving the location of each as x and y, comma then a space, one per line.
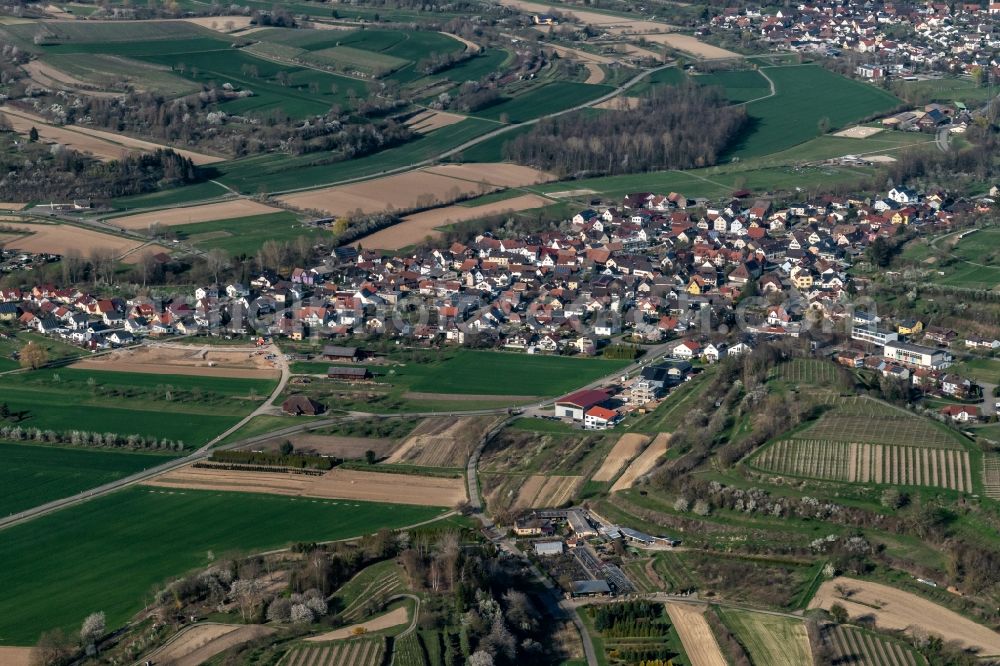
677, 127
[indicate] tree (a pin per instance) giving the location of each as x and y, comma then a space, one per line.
4, 411
480, 658
33, 134
839, 614
370, 457
286, 448
823, 125
34, 356
880, 252
93, 628
54, 648
248, 595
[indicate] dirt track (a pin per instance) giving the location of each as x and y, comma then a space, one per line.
415, 228
393, 618
903, 610
223, 210
699, 642
626, 448
335, 484
644, 463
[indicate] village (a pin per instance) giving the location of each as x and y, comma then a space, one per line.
684, 282
890, 39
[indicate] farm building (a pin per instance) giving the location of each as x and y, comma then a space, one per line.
591, 588
348, 374
643, 539
335, 353
548, 548
302, 405
532, 526
575, 405
917, 355
580, 525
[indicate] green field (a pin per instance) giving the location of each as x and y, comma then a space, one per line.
944, 90
245, 235
977, 266
32, 474
110, 553
179, 407
491, 150
770, 639
543, 100
105, 70
740, 86
805, 94
671, 76
171, 197
981, 369
81, 32
500, 373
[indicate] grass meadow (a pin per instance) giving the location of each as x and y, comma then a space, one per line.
179, 407
244, 236
110, 553
33, 474
805, 95
543, 100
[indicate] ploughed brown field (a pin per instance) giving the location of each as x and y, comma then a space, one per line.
896, 609
199, 643
62, 238
204, 362
699, 642
644, 463
336, 484
222, 210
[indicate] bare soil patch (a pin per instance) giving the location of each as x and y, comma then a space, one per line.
582, 56
699, 641
6, 205
858, 132
331, 445
644, 463
222, 210
620, 103
625, 449
443, 441
15, 656
596, 74
393, 618
205, 362
199, 643
428, 121
469, 45
415, 228
498, 174
61, 238
540, 491
335, 484
880, 159
222, 24
570, 193
896, 609
47, 75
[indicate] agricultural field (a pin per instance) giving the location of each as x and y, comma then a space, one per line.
244, 236
368, 590
696, 635
191, 409
804, 95
33, 474
769, 639
976, 266
106, 71
442, 442
740, 86
944, 90
852, 645
843, 425
624, 451
518, 451
895, 609
409, 651
109, 572
644, 463
632, 632
868, 463
545, 99
353, 652
991, 475
808, 371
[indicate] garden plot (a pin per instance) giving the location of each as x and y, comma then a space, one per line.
897, 609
